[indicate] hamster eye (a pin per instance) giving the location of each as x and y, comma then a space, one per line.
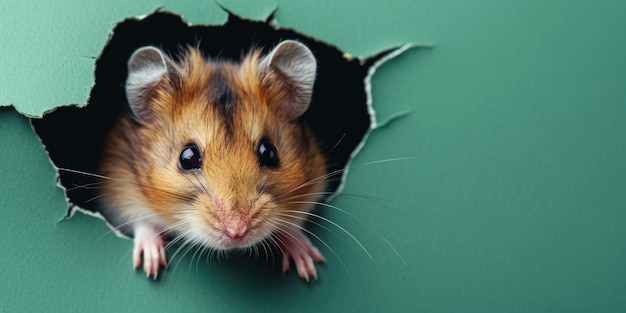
190, 158
268, 156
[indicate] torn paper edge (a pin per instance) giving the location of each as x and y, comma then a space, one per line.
72, 208
270, 20
370, 108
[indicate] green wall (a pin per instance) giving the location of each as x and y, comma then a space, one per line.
513, 200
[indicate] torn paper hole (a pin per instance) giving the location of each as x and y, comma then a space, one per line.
339, 117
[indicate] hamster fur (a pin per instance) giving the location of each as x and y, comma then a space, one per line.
213, 153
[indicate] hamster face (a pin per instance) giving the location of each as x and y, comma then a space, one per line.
213, 151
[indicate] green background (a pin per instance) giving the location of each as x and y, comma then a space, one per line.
514, 200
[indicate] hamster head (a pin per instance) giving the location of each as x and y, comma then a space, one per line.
216, 150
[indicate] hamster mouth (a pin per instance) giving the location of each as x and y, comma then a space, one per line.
247, 240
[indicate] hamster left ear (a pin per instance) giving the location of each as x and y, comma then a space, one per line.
147, 67
296, 67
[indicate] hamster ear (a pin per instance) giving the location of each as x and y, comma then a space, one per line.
146, 69
295, 66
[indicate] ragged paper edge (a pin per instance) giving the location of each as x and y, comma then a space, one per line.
374, 124
72, 208
270, 20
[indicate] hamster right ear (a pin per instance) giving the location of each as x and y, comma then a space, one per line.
147, 68
296, 66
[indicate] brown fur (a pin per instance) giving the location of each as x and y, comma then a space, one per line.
142, 158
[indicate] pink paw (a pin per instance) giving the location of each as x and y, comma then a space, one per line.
149, 243
295, 245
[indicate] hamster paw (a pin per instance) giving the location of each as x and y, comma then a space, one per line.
295, 245
149, 242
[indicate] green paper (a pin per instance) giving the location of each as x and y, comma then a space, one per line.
513, 199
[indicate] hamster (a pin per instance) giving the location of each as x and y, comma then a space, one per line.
213, 153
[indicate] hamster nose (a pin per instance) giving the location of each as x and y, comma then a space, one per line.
235, 229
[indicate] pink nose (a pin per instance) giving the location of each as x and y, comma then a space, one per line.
235, 230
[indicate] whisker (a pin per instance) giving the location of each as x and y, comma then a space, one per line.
273, 241
337, 144
256, 252
275, 244
85, 186
353, 196
176, 195
197, 250
358, 219
206, 191
180, 237
263, 244
192, 244
183, 240
304, 218
199, 186
308, 183
84, 173
337, 172
170, 228
98, 197
336, 225
314, 236
209, 256
280, 230
383, 161
393, 248
183, 243
113, 228
279, 242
